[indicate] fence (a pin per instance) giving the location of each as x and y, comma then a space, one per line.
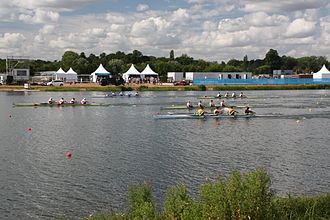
259, 81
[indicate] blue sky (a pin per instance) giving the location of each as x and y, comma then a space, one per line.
214, 30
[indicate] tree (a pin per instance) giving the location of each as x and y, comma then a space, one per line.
115, 66
68, 59
172, 54
273, 60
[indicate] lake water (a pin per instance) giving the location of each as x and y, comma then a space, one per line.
122, 144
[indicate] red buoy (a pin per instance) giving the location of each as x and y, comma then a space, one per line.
69, 155
218, 123
29, 129
9, 116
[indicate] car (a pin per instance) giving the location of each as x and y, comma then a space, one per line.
182, 83
55, 83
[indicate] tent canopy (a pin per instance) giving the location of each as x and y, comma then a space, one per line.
60, 70
71, 71
100, 71
148, 72
322, 74
132, 71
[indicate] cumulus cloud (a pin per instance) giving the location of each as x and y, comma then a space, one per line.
55, 4
281, 5
300, 28
11, 40
39, 16
142, 7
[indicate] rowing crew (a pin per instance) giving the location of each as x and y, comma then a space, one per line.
128, 94
233, 95
201, 105
62, 101
225, 111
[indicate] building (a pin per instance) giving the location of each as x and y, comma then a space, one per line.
191, 76
21, 75
175, 76
279, 73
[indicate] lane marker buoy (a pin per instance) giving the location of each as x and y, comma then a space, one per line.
68, 155
29, 129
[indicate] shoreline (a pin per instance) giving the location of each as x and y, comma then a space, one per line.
91, 87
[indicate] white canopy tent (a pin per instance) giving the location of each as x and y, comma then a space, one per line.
69, 76
131, 72
324, 73
100, 71
148, 72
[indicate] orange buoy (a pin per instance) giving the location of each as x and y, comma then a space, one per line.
69, 155
29, 129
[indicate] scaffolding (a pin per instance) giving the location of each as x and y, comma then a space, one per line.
13, 61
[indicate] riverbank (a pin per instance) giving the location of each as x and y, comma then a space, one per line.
240, 196
150, 87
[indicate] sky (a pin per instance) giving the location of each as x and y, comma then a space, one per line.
213, 30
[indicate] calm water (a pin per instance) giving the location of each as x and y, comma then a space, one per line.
116, 146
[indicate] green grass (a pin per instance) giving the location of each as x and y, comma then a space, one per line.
236, 197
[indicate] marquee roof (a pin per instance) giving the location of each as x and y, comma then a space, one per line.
71, 71
101, 71
322, 73
60, 70
148, 71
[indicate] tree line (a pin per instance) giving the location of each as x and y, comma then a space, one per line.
120, 62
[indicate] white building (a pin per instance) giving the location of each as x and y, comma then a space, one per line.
175, 76
20, 75
324, 73
190, 76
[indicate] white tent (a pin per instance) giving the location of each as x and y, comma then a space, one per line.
100, 71
149, 72
132, 71
324, 73
70, 76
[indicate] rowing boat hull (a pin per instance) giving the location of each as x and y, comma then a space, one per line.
190, 116
195, 107
57, 105
214, 97
187, 116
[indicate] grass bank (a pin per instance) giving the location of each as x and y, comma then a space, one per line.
97, 88
236, 197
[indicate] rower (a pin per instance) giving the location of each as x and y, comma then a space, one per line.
200, 104
73, 100
233, 95
61, 101
120, 94
128, 94
50, 100
242, 95
217, 111
83, 101
200, 112
219, 95
229, 111
248, 111
227, 94
189, 105
137, 94
222, 103
211, 104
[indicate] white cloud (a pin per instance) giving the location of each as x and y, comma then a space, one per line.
54, 4
300, 28
39, 16
281, 5
11, 40
142, 7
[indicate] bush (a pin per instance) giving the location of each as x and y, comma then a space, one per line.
201, 87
